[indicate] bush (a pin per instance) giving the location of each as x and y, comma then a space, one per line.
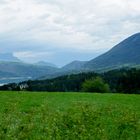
95, 85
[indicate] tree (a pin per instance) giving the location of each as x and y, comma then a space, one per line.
95, 85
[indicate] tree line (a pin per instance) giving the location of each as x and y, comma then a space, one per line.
115, 81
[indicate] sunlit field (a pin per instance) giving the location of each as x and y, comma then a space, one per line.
69, 116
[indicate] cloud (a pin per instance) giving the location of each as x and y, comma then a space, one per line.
84, 26
33, 56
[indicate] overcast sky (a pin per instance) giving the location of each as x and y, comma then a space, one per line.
61, 31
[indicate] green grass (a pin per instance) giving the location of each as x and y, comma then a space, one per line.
69, 116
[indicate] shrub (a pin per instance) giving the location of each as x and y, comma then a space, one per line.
95, 85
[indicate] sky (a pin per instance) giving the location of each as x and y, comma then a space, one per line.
60, 31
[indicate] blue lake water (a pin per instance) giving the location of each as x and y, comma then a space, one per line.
6, 80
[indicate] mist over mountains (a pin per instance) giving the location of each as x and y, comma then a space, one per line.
125, 54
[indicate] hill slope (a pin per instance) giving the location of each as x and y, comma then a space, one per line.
75, 65
17, 71
125, 53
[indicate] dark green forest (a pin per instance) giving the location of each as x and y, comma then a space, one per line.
119, 81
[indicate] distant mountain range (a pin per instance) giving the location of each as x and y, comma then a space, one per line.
125, 54
13, 69
19, 71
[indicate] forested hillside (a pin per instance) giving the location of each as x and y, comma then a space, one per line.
119, 81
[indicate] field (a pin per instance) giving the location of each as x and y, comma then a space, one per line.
69, 116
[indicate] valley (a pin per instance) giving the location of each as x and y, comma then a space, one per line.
69, 69
125, 54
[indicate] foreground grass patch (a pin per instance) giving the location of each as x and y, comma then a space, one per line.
67, 116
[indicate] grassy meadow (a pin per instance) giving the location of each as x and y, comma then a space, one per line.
69, 116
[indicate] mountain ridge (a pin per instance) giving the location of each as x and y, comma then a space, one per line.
121, 54
124, 54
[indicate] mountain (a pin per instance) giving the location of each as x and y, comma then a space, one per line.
14, 70
6, 57
18, 71
6, 74
75, 65
43, 63
126, 53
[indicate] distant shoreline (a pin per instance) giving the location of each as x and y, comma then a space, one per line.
1, 84
4, 81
